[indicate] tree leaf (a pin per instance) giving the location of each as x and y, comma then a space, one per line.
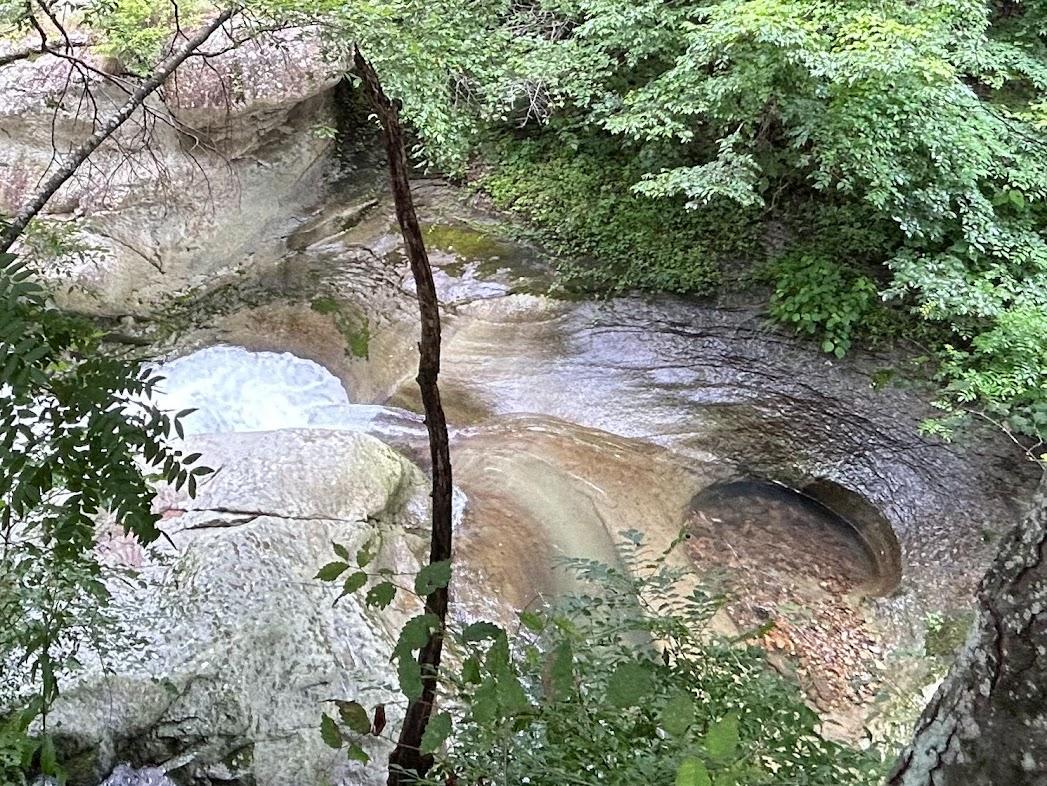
471, 670
678, 714
381, 595
354, 716
365, 554
478, 631
353, 583
432, 577
561, 672
532, 621
415, 634
484, 705
692, 772
332, 570
48, 757
629, 684
330, 732
721, 739
437, 730
356, 753
409, 674
512, 699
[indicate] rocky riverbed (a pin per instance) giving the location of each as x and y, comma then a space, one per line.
572, 420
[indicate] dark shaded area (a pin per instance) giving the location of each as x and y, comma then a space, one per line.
824, 529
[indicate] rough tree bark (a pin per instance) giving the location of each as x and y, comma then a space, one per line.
987, 724
72, 161
406, 761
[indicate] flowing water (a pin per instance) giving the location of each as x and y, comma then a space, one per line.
572, 421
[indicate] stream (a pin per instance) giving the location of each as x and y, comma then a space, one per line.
572, 421
265, 274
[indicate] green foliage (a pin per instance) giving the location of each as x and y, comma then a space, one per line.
381, 594
731, 175
432, 577
621, 684
1001, 374
439, 59
329, 731
78, 439
17, 746
354, 716
822, 299
436, 732
693, 772
578, 193
332, 570
136, 31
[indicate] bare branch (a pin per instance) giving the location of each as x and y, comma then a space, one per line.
55, 21
407, 764
24, 53
78, 156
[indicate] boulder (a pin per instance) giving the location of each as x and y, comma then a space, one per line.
229, 647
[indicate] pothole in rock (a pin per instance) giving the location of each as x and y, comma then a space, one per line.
797, 571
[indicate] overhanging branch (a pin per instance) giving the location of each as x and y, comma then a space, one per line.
77, 157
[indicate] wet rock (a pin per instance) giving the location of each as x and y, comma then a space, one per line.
587, 400
714, 386
718, 385
125, 775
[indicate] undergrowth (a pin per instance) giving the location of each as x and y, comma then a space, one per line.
577, 196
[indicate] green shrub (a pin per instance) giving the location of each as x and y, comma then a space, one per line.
619, 684
622, 684
136, 31
822, 299
579, 198
1002, 373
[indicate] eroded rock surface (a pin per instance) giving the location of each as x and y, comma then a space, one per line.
233, 647
714, 386
198, 184
617, 413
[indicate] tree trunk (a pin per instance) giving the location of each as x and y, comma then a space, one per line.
406, 760
987, 724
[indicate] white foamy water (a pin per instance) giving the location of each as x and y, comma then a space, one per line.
233, 389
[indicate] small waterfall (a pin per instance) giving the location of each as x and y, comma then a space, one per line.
232, 389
